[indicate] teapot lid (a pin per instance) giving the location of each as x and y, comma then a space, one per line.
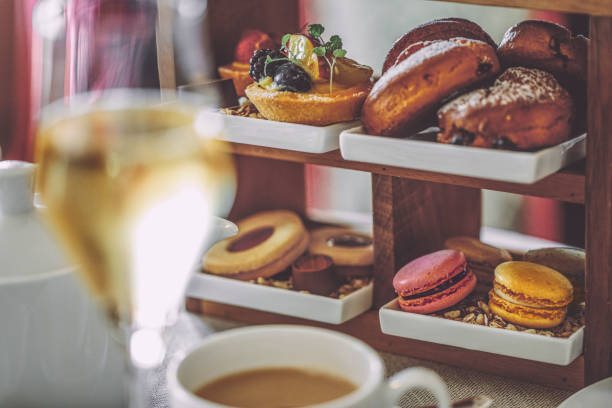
26, 246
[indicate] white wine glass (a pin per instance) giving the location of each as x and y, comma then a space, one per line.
130, 175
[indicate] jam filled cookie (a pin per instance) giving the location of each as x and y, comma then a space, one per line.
267, 243
351, 252
524, 109
308, 81
403, 101
443, 29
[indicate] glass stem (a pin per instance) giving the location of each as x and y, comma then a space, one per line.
139, 390
145, 349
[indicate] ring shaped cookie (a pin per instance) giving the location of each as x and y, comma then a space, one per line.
344, 246
266, 244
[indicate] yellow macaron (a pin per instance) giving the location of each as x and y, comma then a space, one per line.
530, 295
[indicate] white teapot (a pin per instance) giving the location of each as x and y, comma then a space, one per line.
55, 350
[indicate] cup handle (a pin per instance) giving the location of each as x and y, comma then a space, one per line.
416, 377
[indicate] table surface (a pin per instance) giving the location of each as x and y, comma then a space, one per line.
463, 383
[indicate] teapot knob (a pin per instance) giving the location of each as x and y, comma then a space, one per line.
16, 186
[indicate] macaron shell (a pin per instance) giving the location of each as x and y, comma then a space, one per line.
569, 261
526, 316
441, 300
531, 284
477, 252
428, 272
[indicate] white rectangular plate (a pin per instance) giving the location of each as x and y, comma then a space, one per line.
433, 329
281, 301
282, 135
493, 164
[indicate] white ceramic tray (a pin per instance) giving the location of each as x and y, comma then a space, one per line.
482, 338
504, 165
281, 301
282, 135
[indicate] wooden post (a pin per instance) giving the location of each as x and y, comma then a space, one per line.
598, 333
412, 218
268, 185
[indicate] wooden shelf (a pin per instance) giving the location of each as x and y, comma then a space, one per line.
566, 185
367, 328
593, 7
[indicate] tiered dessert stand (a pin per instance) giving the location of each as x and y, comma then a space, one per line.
415, 211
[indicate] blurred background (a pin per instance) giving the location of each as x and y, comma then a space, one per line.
29, 58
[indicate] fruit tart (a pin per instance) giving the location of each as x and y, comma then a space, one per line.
238, 71
308, 81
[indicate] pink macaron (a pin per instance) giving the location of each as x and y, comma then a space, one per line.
434, 282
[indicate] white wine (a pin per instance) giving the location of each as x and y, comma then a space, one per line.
130, 194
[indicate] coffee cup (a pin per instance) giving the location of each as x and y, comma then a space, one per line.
308, 348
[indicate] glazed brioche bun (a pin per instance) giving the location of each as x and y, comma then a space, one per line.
404, 99
442, 29
316, 107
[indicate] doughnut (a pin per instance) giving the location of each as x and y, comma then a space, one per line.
405, 98
546, 46
552, 48
524, 109
351, 252
442, 29
267, 243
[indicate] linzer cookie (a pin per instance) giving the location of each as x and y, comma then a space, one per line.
351, 252
266, 244
524, 109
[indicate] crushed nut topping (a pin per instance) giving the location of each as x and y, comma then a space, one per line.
349, 286
475, 310
247, 109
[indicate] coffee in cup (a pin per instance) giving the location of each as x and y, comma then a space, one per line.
274, 362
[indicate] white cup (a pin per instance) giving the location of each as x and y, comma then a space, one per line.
297, 346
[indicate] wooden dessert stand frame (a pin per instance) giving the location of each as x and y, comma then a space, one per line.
415, 211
